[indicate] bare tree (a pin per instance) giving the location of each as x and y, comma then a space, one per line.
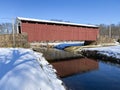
112, 30
5, 28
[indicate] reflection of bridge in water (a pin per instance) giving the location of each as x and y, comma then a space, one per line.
74, 66
68, 63
55, 55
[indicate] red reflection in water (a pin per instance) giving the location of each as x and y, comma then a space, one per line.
70, 67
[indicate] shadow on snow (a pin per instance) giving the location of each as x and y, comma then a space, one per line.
9, 63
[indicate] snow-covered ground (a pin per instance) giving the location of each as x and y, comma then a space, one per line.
24, 69
57, 43
111, 51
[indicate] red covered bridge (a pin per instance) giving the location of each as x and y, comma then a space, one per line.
43, 30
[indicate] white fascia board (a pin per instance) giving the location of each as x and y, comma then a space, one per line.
55, 22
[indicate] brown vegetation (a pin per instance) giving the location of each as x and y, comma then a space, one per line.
20, 40
103, 40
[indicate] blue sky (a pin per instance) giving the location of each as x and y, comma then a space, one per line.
76, 11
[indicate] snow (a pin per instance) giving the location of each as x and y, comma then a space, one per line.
67, 42
24, 69
56, 43
56, 22
111, 51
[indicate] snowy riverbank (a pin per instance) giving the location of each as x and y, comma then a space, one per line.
24, 69
110, 53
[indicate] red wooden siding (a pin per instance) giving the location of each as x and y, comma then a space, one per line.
51, 32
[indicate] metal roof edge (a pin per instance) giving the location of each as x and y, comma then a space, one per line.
55, 22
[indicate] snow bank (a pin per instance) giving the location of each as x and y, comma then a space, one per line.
24, 69
111, 51
57, 43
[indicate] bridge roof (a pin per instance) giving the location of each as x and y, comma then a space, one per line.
55, 22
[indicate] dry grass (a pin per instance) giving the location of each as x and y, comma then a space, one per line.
21, 40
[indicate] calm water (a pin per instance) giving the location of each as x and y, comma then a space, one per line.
106, 77
84, 73
54, 54
73, 66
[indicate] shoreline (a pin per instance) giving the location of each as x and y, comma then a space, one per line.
104, 54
